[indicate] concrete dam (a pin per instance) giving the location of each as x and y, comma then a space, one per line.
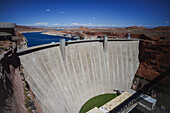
63, 76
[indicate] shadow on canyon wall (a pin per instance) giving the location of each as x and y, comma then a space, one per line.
11, 91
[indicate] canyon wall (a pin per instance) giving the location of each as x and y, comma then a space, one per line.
11, 85
63, 85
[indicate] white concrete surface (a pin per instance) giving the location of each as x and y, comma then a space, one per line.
95, 110
116, 101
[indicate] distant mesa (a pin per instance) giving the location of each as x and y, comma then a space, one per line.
162, 28
136, 27
25, 29
84, 28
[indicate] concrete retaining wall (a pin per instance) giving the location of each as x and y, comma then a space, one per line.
63, 86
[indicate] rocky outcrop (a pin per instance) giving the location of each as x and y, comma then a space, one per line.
21, 41
11, 85
154, 57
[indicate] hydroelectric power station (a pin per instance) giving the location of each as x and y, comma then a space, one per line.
63, 76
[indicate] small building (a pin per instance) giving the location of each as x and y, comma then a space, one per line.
7, 30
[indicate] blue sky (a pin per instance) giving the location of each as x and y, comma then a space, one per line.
116, 13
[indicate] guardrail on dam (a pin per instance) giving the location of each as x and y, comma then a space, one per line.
63, 85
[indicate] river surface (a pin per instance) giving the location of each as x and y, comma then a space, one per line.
37, 38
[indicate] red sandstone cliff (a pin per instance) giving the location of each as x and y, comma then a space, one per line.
15, 94
154, 56
11, 85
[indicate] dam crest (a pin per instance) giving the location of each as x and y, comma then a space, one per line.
63, 76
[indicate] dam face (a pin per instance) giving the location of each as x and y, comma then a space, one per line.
63, 86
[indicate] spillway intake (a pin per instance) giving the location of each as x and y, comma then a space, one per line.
63, 86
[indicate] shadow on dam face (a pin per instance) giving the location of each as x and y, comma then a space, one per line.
64, 85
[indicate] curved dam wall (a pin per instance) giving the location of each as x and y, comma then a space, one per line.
64, 85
